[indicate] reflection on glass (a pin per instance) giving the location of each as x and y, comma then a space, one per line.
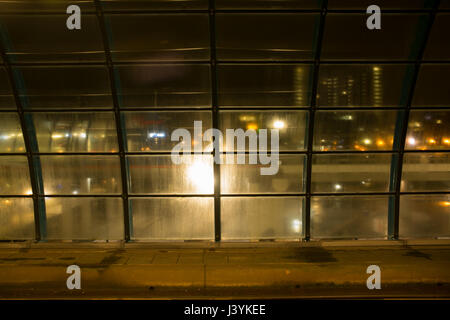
267, 4
291, 126
166, 37
76, 132
159, 175
81, 174
354, 130
265, 36
164, 85
357, 173
65, 87
424, 216
428, 130
84, 218
6, 96
438, 46
14, 175
247, 178
245, 218
426, 172
173, 218
431, 88
33, 43
388, 4
347, 38
151, 131
360, 85
349, 217
11, 139
44, 5
126, 5
16, 219
267, 85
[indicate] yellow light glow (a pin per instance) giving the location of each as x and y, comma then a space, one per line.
380, 143
367, 141
278, 124
200, 174
412, 141
444, 203
252, 126
29, 192
296, 225
431, 141
56, 136
446, 140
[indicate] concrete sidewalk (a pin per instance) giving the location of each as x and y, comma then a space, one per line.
217, 272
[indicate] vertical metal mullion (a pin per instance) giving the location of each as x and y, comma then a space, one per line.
215, 115
312, 113
394, 225
119, 128
29, 137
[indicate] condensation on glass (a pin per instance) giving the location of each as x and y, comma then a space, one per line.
45, 38
73, 175
428, 130
247, 179
16, 219
11, 138
151, 131
355, 130
14, 176
254, 218
424, 216
362, 85
159, 37
426, 172
291, 126
84, 218
64, 87
264, 85
349, 217
431, 89
164, 85
265, 36
160, 175
6, 95
346, 37
356, 173
76, 132
187, 218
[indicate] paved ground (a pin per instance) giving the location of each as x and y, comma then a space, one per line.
220, 272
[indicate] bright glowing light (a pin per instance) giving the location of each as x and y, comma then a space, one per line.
380, 143
444, 203
367, 141
156, 135
5, 137
337, 186
431, 141
278, 124
446, 140
83, 135
412, 141
56, 136
296, 225
28, 192
75, 192
347, 117
201, 175
376, 68
252, 126
66, 135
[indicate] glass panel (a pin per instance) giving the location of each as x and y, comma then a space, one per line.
16, 219
164, 86
438, 46
11, 139
268, 4
291, 126
354, 130
351, 173
76, 132
14, 175
81, 174
361, 85
146, 37
426, 172
33, 43
266, 85
126, 5
44, 5
84, 218
160, 175
173, 219
424, 216
151, 131
383, 4
247, 178
261, 218
428, 130
65, 87
349, 217
432, 86
346, 37
6, 96
265, 36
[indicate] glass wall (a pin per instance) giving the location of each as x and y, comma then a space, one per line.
87, 118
